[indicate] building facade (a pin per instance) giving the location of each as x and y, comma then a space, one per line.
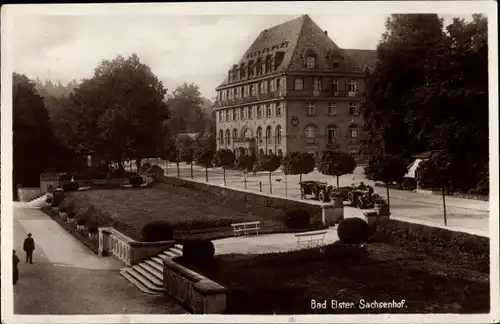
294, 90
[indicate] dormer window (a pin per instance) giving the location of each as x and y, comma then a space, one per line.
336, 64
311, 61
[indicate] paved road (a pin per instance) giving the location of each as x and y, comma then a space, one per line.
462, 214
67, 278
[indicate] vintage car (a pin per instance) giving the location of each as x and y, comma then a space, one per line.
361, 196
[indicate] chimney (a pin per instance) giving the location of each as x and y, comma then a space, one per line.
326, 32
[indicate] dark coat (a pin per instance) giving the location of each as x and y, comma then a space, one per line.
29, 244
15, 271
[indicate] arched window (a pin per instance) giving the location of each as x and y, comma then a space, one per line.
270, 152
228, 137
332, 134
269, 134
353, 131
235, 134
310, 134
247, 133
246, 151
277, 135
259, 135
221, 137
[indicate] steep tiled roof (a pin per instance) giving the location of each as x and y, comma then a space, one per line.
292, 37
364, 58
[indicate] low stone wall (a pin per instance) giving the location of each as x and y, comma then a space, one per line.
201, 295
325, 213
110, 183
130, 251
437, 236
28, 194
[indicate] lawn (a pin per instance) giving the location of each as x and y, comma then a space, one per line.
285, 283
192, 213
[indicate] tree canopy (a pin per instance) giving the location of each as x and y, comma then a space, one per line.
429, 91
336, 164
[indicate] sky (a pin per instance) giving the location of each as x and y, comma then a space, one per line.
189, 48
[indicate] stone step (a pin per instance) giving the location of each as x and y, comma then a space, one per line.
177, 250
140, 283
178, 246
152, 270
157, 282
144, 280
155, 264
157, 260
164, 257
170, 253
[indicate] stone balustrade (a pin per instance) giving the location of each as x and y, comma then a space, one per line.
131, 252
200, 294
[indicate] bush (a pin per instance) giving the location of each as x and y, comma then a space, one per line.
135, 181
71, 215
198, 251
353, 231
62, 209
157, 231
58, 198
71, 186
93, 230
81, 222
297, 219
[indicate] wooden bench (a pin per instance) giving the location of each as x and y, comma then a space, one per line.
311, 238
246, 228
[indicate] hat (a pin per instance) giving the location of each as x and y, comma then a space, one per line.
29, 234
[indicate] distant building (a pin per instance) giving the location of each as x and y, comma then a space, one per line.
294, 89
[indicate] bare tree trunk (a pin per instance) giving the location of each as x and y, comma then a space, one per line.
178, 171
191, 166
300, 181
270, 184
388, 201
444, 206
224, 174
338, 186
286, 187
206, 172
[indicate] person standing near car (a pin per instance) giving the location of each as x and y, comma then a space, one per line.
29, 247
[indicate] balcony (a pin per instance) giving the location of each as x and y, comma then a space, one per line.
250, 99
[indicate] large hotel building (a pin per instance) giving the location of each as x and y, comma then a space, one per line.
294, 90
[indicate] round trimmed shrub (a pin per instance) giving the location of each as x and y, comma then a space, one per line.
135, 181
71, 186
353, 231
198, 251
157, 231
297, 218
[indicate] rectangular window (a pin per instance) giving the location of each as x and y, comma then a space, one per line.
336, 64
237, 94
353, 85
353, 132
332, 109
221, 116
242, 113
311, 62
269, 111
235, 114
353, 109
310, 109
299, 84
250, 112
264, 86
278, 84
220, 95
335, 85
228, 116
271, 85
278, 109
259, 111
261, 88
317, 84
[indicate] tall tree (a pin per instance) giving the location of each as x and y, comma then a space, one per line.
186, 110
225, 159
336, 164
119, 112
409, 42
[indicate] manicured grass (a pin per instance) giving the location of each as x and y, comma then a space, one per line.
192, 213
285, 283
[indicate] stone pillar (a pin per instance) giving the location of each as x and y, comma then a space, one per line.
332, 214
104, 244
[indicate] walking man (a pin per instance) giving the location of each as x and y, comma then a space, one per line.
15, 270
29, 247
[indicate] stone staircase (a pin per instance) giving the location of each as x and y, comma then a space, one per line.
148, 275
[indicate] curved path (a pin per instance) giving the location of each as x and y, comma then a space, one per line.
67, 278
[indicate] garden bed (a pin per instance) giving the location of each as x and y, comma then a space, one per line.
192, 214
285, 283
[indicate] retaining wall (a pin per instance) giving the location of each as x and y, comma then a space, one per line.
28, 194
200, 294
